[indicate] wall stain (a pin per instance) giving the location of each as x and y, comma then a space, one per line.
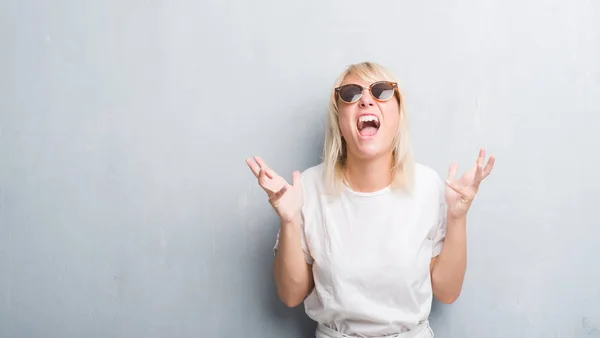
589, 328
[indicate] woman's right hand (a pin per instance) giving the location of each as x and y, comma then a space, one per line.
286, 199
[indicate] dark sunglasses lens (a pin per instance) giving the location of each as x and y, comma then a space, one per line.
350, 93
382, 91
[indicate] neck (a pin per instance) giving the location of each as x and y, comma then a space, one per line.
369, 175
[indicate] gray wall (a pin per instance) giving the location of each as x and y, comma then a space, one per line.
126, 208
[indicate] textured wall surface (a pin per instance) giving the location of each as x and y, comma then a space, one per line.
126, 208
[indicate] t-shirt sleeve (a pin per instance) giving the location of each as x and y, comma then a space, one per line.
439, 233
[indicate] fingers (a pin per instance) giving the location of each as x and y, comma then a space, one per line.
452, 171
270, 173
454, 187
256, 164
481, 157
469, 188
265, 182
464, 196
262, 179
478, 175
481, 173
253, 166
489, 166
296, 178
274, 199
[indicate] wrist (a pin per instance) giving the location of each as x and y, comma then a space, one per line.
461, 219
295, 221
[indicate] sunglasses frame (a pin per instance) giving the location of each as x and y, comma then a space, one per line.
370, 87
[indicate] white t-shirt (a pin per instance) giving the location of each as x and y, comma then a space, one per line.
370, 253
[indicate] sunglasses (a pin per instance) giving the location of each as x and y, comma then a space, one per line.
381, 91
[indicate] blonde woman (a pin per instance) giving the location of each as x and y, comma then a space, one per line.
368, 237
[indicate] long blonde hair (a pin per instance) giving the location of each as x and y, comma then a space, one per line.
334, 150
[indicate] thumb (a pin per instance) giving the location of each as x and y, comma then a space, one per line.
296, 179
452, 171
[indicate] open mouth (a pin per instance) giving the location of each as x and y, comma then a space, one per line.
367, 125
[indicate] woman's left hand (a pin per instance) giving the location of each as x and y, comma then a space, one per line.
461, 192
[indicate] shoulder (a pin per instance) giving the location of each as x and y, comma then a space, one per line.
312, 179
425, 172
427, 178
313, 173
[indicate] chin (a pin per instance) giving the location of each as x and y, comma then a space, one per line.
370, 151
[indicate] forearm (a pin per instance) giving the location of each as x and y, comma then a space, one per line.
293, 275
449, 267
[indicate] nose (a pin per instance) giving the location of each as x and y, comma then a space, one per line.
366, 100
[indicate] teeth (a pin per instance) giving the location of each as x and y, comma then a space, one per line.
367, 118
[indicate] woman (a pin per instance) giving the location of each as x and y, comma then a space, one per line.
368, 237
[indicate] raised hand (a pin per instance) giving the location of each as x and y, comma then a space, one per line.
286, 199
461, 192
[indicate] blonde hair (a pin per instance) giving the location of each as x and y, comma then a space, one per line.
334, 149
